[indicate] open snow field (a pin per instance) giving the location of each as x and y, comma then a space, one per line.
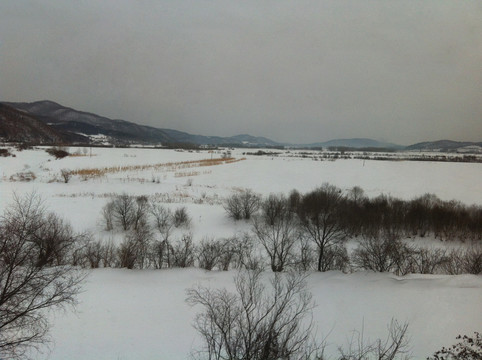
141, 314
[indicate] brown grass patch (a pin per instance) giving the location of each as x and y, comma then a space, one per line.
170, 166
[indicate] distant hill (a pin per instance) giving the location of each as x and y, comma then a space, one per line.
66, 120
22, 127
47, 122
356, 143
447, 145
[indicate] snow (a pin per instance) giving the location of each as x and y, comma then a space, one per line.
142, 314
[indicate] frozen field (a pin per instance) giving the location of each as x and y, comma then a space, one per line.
141, 314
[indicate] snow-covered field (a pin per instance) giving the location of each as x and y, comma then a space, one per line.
141, 314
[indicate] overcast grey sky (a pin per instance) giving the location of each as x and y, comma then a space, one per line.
298, 71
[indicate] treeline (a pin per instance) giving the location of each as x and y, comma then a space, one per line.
296, 231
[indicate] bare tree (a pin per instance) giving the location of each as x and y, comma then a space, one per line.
54, 241
233, 207
382, 253
66, 175
134, 251
183, 252
356, 194
28, 286
274, 207
161, 251
209, 253
141, 211
181, 217
108, 215
277, 231
242, 205
468, 348
319, 212
124, 211
256, 322
394, 347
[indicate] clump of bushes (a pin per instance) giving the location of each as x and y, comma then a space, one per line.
23, 176
58, 153
242, 205
5, 153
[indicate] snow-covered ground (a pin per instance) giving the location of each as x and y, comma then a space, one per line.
142, 314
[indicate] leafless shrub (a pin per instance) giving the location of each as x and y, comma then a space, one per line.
381, 253
161, 250
183, 252
161, 253
468, 348
209, 253
141, 211
126, 211
57, 152
181, 217
5, 153
464, 261
394, 347
244, 253
321, 220
307, 255
123, 210
428, 261
93, 254
278, 233
66, 175
23, 176
232, 252
127, 253
108, 251
242, 205
163, 218
108, 215
256, 322
134, 251
336, 258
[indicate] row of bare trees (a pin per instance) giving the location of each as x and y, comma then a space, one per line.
304, 232
292, 229
355, 214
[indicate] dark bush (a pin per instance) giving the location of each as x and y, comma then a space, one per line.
468, 348
57, 153
209, 253
181, 217
242, 205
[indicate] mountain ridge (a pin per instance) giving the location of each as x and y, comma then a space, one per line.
54, 122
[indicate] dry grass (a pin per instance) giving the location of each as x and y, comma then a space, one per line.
170, 166
81, 155
186, 173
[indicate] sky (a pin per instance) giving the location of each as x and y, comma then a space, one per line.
294, 71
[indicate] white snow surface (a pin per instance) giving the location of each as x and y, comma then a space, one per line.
142, 314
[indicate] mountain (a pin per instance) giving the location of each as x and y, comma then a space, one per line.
47, 122
447, 145
20, 126
356, 143
91, 125
68, 120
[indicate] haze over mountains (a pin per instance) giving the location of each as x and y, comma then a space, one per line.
47, 122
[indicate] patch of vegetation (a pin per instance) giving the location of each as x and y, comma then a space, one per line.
5, 153
57, 153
